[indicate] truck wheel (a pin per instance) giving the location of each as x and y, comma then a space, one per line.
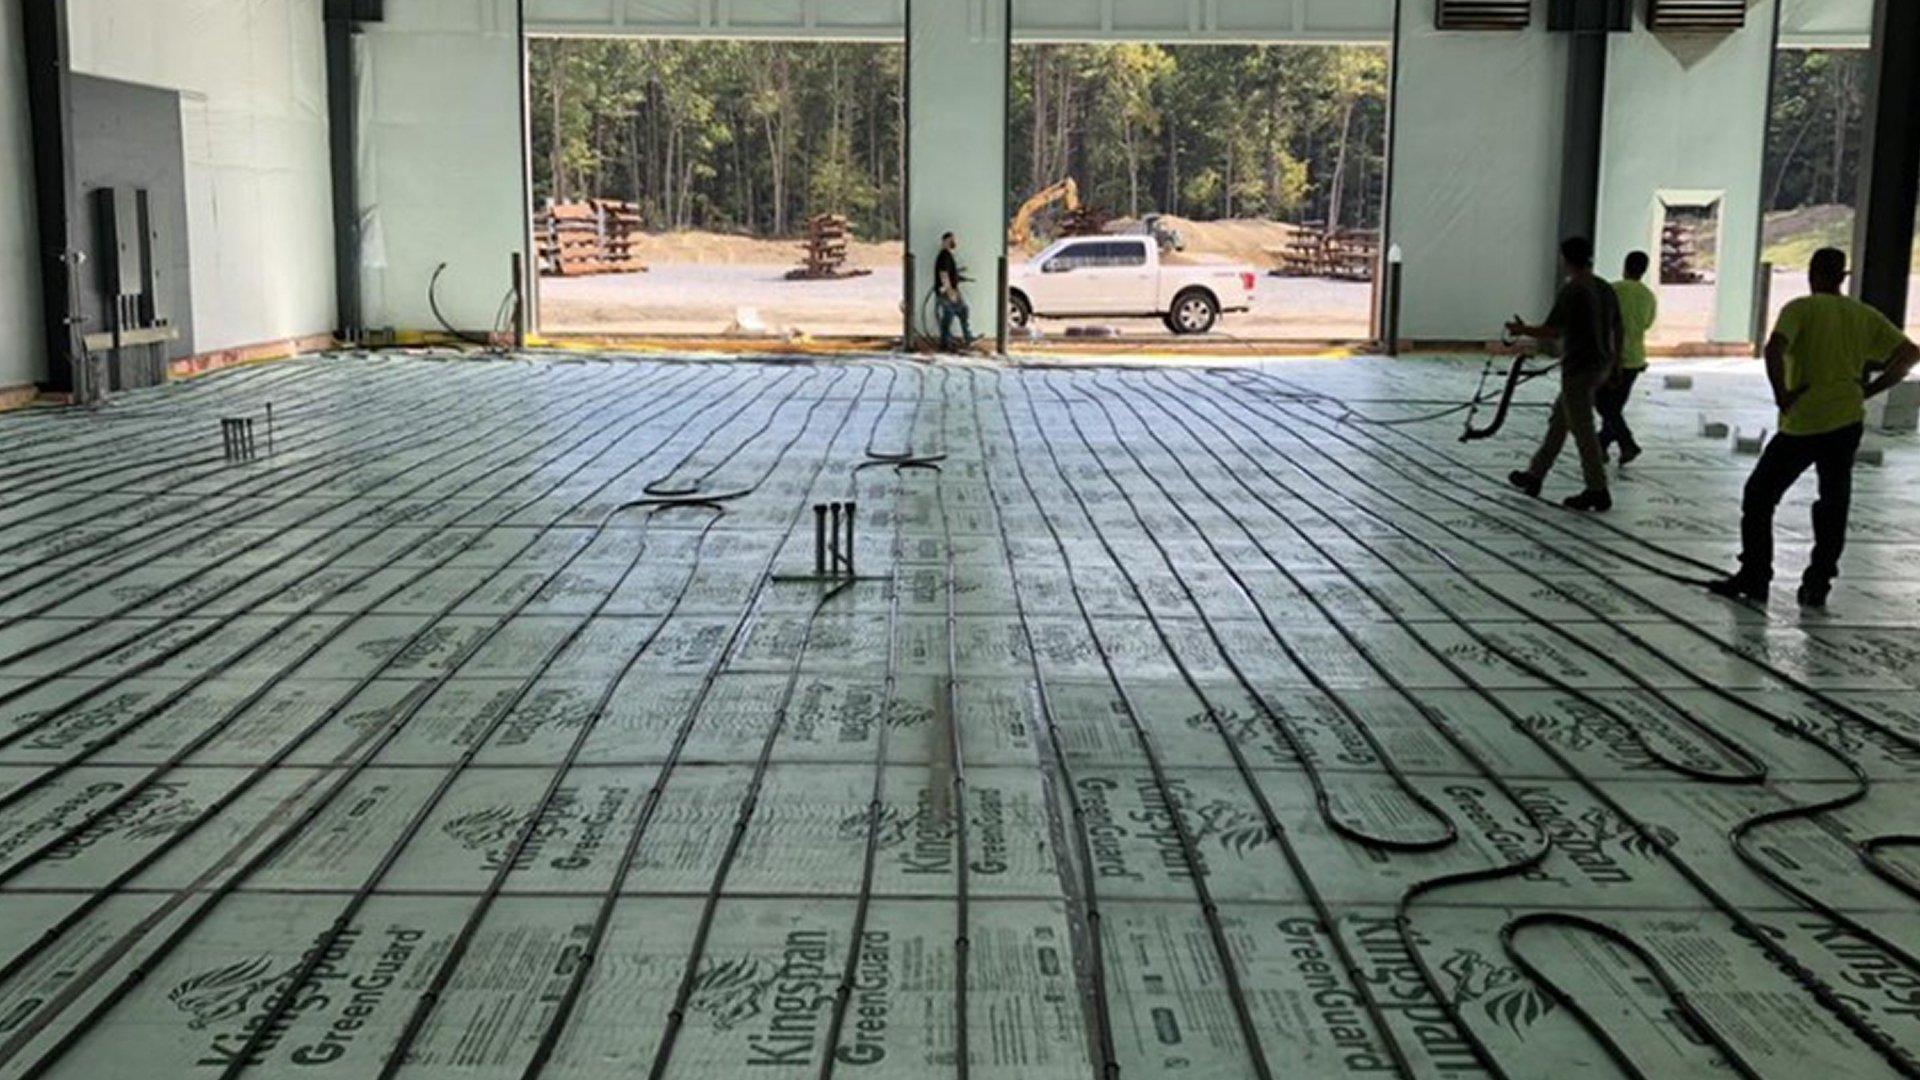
1019, 312
1194, 312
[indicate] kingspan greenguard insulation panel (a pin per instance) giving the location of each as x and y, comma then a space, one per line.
491, 719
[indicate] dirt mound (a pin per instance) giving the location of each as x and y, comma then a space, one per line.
1253, 241
697, 248
1826, 220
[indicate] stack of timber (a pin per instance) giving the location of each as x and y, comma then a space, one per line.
825, 250
1680, 254
1313, 250
594, 237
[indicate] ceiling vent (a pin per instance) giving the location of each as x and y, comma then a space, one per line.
1483, 14
1711, 16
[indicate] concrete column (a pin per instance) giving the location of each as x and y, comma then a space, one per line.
1883, 230
957, 148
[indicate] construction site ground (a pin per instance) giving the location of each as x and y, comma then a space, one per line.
1209, 723
705, 299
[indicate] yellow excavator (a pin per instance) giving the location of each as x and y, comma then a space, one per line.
1021, 231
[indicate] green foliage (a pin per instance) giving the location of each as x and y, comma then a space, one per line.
1205, 131
1814, 136
723, 135
755, 136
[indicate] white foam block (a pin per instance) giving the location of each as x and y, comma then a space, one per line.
1896, 410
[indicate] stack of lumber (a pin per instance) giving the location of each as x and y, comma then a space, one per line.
1313, 250
824, 255
1679, 254
594, 237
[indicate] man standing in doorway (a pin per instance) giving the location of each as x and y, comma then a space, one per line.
1638, 309
949, 300
1586, 322
1820, 361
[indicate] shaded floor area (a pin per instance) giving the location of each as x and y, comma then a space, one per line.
490, 722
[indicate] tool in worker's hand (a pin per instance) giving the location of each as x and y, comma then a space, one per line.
1518, 374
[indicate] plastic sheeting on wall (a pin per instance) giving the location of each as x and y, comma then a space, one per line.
441, 174
23, 357
1476, 175
259, 202
1715, 144
956, 146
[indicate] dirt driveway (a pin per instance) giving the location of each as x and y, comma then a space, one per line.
686, 298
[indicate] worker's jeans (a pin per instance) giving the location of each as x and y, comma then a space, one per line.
1573, 415
949, 311
1785, 460
1611, 402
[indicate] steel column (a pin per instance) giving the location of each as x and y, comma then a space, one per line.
1890, 182
44, 28
1585, 112
343, 18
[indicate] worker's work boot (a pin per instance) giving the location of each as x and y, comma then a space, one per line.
1525, 481
1629, 451
1595, 500
1738, 587
1813, 594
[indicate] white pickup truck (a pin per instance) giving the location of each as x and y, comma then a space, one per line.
1123, 277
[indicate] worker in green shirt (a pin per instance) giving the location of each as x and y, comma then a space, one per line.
1638, 309
1827, 356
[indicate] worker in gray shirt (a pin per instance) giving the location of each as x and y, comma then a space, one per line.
1585, 321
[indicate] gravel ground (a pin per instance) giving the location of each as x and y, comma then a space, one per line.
691, 299
685, 298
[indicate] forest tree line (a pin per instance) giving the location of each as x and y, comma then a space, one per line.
752, 137
1814, 136
728, 136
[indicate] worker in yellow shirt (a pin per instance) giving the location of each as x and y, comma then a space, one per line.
1638, 309
1827, 356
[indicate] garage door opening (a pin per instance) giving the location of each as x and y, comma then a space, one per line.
1161, 192
1815, 138
745, 189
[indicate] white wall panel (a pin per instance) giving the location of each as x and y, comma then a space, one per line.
956, 145
879, 20
1477, 137
1033, 20
252, 77
1826, 24
22, 353
1687, 112
441, 173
